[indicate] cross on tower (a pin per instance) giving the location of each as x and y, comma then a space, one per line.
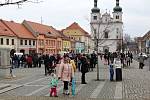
95, 3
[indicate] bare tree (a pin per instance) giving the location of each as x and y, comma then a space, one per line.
16, 2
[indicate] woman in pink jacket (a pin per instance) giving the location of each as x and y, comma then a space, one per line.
65, 73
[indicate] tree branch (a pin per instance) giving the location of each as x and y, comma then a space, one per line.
19, 2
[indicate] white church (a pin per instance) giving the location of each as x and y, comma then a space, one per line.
107, 30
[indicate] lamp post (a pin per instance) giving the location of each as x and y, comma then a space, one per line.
96, 40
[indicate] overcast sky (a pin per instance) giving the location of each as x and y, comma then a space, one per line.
62, 13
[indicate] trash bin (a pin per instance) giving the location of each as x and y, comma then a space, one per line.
118, 74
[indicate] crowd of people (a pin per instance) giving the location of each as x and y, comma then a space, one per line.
126, 58
64, 66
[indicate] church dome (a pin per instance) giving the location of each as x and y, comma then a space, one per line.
117, 9
95, 10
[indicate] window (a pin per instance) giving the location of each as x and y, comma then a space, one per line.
46, 42
33, 43
1, 41
7, 41
117, 30
12, 41
29, 42
117, 17
21, 42
42, 42
25, 42
106, 34
79, 39
95, 17
117, 36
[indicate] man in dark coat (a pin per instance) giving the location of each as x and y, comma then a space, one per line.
84, 68
93, 60
46, 63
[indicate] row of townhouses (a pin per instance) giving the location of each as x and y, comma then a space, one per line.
32, 37
144, 43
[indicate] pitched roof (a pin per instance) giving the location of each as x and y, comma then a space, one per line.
4, 30
49, 31
18, 29
76, 26
147, 35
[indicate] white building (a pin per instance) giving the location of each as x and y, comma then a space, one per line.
107, 30
25, 42
8, 39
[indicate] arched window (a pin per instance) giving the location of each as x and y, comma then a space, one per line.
95, 17
117, 17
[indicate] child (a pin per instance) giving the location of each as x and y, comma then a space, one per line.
53, 85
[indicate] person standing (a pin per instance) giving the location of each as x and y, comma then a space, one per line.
93, 60
84, 68
131, 57
65, 73
128, 60
111, 70
29, 61
46, 63
79, 62
40, 60
141, 61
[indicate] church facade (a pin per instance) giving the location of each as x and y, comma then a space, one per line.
107, 30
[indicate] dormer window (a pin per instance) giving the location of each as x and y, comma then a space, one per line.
95, 17
49, 33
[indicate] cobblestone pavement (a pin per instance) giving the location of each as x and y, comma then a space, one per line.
135, 84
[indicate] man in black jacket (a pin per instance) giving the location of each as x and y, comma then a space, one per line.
46, 63
93, 60
84, 68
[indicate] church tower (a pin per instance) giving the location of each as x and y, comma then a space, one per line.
118, 23
95, 19
117, 14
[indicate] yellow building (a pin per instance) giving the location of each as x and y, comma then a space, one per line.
74, 31
66, 45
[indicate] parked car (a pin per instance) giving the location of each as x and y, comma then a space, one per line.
144, 55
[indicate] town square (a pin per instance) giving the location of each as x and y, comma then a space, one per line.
74, 49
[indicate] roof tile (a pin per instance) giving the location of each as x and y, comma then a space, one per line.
19, 30
4, 31
49, 31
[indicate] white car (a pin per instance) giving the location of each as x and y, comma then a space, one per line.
144, 55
